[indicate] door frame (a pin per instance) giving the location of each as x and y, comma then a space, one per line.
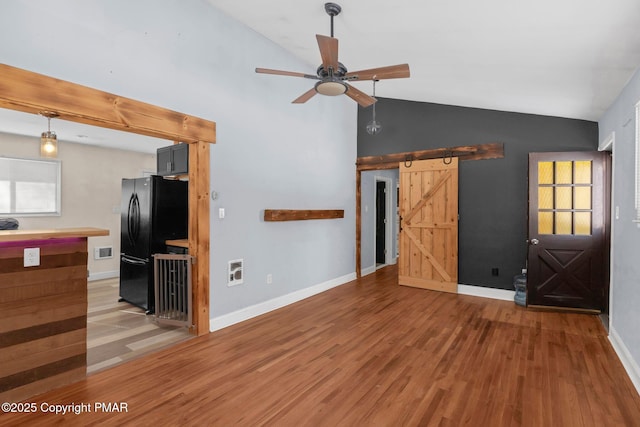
30, 92
388, 233
599, 205
609, 145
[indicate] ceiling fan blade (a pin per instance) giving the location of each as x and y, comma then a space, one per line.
359, 96
328, 51
400, 71
305, 96
285, 73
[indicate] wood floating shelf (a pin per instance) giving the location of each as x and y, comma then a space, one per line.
299, 215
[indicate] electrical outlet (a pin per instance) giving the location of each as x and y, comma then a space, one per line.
269, 279
31, 257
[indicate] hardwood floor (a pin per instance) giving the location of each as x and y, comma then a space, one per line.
118, 331
371, 353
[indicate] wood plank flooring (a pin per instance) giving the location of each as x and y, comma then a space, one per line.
371, 353
118, 331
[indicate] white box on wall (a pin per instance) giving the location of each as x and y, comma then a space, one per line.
235, 275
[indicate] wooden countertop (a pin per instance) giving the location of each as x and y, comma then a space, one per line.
51, 233
182, 243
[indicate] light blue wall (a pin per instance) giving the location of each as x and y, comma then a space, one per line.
189, 57
368, 215
625, 284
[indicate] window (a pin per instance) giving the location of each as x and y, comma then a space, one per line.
564, 197
29, 187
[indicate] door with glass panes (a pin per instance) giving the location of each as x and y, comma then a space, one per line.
568, 230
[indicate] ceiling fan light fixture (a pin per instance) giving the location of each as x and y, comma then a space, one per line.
331, 87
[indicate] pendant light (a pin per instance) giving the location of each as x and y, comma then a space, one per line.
48, 139
374, 127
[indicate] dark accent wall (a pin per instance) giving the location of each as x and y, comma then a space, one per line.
492, 193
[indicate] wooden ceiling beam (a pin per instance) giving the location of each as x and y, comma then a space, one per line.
31, 92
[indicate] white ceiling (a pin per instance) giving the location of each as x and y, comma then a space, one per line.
565, 58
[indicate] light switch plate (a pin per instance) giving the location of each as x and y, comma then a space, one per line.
31, 257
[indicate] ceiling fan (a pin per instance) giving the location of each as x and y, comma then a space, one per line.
333, 76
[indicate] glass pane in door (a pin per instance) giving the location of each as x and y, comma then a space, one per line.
564, 197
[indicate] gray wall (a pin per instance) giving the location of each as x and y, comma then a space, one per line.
492, 193
625, 280
189, 57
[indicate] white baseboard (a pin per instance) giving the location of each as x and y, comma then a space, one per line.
481, 291
368, 270
103, 275
255, 310
630, 365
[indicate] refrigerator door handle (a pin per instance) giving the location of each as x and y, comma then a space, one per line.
129, 219
129, 260
136, 214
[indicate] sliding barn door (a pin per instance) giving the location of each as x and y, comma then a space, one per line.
429, 224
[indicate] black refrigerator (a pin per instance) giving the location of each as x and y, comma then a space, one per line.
153, 210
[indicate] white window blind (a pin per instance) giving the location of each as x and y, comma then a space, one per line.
29, 187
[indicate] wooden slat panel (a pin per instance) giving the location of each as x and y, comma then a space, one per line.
416, 191
404, 242
43, 358
18, 351
43, 315
432, 239
39, 372
20, 293
37, 332
32, 93
38, 311
47, 247
451, 240
33, 275
26, 391
47, 262
299, 215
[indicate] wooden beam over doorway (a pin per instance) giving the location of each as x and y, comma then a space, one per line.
31, 92
494, 150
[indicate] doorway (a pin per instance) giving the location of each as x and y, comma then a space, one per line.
383, 233
569, 219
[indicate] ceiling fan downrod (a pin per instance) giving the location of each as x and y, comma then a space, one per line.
332, 10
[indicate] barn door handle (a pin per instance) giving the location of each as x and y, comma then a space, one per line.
534, 241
